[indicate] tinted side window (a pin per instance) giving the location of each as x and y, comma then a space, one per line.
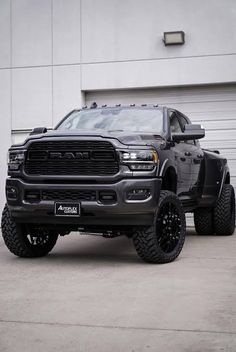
183, 121
174, 122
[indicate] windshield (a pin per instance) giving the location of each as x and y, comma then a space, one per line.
115, 119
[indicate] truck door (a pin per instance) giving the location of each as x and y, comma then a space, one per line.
183, 160
196, 155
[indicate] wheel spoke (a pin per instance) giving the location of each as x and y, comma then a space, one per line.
168, 227
37, 240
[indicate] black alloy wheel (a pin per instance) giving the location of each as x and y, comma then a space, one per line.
168, 228
163, 241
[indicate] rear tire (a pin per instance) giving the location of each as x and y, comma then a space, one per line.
163, 241
224, 212
24, 243
203, 221
219, 220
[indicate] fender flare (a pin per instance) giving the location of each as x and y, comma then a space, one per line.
225, 174
166, 165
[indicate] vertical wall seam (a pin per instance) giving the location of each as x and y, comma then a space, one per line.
11, 83
82, 96
52, 107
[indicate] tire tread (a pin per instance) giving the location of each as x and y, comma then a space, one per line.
14, 240
203, 221
145, 240
224, 222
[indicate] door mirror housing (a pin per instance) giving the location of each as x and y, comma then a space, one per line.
191, 132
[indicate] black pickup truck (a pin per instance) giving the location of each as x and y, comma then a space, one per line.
130, 170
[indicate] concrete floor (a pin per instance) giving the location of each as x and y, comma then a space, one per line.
94, 294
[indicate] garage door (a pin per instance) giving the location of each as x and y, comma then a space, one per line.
212, 106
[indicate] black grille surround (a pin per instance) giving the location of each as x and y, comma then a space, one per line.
71, 158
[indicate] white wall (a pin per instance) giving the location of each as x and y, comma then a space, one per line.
31, 29
5, 93
5, 34
31, 97
5, 130
115, 30
56, 48
160, 73
66, 31
66, 90
122, 43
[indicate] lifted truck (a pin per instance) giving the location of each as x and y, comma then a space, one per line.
130, 170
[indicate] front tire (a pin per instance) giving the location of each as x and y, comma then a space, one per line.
163, 241
24, 243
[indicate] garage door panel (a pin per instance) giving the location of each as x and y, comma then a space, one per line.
228, 144
232, 166
213, 115
190, 108
233, 181
183, 95
193, 107
229, 154
226, 153
166, 95
221, 136
217, 125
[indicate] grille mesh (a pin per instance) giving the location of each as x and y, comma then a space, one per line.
102, 160
69, 195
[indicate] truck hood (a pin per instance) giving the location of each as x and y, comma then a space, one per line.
126, 138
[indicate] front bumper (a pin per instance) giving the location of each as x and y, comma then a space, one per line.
121, 212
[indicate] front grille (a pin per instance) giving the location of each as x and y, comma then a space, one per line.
81, 158
69, 195
103, 196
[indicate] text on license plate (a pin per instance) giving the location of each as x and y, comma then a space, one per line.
67, 209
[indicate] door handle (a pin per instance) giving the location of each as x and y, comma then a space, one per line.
187, 153
183, 159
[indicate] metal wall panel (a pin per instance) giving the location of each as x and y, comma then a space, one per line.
66, 91
31, 97
66, 31
31, 33
5, 130
115, 30
5, 37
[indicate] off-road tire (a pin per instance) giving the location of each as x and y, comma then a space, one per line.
203, 221
224, 212
148, 241
16, 238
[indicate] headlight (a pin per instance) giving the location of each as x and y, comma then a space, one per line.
15, 159
139, 160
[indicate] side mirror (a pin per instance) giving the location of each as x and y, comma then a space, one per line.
191, 132
38, 130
